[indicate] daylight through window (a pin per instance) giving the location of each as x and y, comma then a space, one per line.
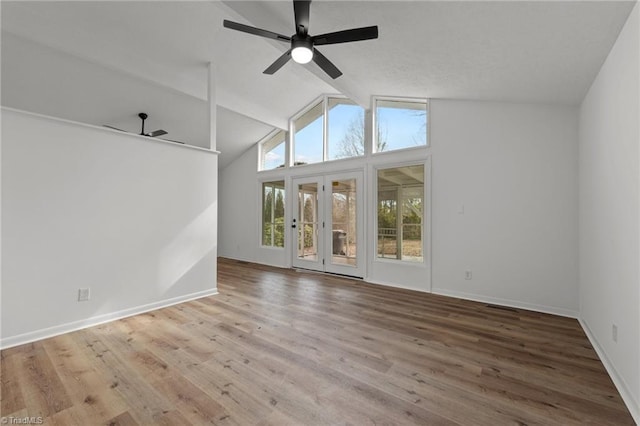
401, 213
273, 214
272, 152
309, 136
335, 127
345, 136
399, 124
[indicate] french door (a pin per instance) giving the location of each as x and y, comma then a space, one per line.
327, 224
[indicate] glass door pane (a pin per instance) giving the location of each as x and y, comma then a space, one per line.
308, 221
343, 214
344, 233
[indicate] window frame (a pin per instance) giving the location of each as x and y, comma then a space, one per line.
374, 122
261, 223
326, 128
261, 151
425, 231
370, 123
321, 100
324, 101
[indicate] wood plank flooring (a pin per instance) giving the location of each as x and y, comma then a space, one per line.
280, 347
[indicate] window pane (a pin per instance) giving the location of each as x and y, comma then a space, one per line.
267, 233
273, 214
401, 213
267, 206
346, 129
279, 235
387, 221
274, 158
308, 137
400, 124
273, 152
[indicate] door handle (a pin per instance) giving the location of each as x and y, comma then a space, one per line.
294, 223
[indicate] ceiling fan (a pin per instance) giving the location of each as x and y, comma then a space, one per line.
303, 45
143, 116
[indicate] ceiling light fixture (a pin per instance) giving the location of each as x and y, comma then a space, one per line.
301, 49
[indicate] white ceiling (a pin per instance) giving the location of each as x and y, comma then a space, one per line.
151, 56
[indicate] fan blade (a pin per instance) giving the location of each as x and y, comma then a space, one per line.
156, 133
326, 65
301, 12
278, 63
255, 31
355, 34
114, 128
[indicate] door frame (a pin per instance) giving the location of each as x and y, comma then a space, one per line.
297, 262
324, 263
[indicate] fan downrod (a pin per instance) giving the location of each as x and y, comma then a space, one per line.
143, 117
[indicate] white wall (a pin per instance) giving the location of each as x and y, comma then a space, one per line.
131, 218
514, 169
609, 213
240, 213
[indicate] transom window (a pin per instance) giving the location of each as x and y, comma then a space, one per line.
335, 127
399, 124
331, 129
272, 151
309, 130
345, 128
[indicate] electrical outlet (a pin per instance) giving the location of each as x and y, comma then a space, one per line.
614, 332
83, 294
467, 275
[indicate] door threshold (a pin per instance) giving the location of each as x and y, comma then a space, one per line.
313, 271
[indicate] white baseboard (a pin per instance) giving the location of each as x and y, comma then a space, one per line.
507, 302
32, 336
632, 404
241, 259
484, 299
395, 285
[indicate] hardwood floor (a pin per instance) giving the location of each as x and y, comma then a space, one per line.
280, 347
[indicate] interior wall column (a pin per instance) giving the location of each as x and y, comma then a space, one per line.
211, 98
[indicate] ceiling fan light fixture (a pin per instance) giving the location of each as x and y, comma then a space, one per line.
302, 55
301, 50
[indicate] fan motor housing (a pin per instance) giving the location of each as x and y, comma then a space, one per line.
301, 41
301, 48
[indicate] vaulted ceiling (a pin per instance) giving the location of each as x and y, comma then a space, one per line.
103, 62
